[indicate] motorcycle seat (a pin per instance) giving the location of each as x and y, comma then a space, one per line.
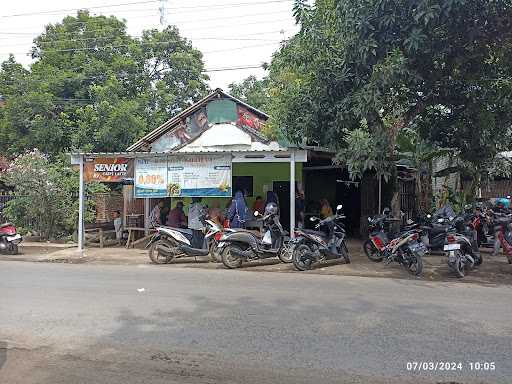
313, 232
5, 225
437, 230
194, 251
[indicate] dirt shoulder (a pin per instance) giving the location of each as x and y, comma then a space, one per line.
493, 271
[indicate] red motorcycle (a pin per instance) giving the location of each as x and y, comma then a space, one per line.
9, 239
503, 231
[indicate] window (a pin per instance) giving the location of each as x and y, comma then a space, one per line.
244, 184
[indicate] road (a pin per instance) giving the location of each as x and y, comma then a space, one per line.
160, 324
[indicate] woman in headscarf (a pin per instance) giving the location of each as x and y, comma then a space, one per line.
238, 212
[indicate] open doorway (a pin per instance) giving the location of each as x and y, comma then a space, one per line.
282, 190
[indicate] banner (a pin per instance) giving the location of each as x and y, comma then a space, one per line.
108, 169
151, 177
199, 176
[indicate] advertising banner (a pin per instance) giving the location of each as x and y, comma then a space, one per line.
199, 176
108, 169
151, 177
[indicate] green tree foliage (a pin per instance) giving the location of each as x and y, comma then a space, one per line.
359, 73
94, 87
252, 91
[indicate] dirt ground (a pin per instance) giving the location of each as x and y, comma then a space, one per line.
494, 270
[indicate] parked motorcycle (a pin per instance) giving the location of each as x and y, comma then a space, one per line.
171, 243
434, 231
461, 245
243, 245
9, 239
405, 249
327, 242
503, 232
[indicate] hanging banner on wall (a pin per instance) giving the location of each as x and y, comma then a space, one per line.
108, 169
151, 177
199, 176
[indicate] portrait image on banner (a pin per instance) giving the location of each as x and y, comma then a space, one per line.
199, 176
151, 177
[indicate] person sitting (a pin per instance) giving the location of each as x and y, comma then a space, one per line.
325, 209
259, 204
238, 212
176, 217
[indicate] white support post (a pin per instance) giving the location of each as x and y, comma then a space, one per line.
81, 197
292, 195
146, 216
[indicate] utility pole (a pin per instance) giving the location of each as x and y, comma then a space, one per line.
162, 9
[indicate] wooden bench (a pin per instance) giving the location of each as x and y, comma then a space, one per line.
101, 229
131, 242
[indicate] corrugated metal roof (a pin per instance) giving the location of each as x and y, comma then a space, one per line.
170, 124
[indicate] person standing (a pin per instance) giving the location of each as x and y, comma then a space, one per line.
238, 212
154, 217
259, 205
176, 217
118, 226
195, 223
300, 207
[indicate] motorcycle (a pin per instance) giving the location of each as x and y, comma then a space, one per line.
9, 239
503, 232
434, 231
171, 243
311, 246
243, 245
405, 249
461, 246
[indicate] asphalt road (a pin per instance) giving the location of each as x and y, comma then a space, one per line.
94, 324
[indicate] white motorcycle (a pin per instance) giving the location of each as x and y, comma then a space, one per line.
171, 243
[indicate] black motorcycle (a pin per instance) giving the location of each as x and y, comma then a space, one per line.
325, 243
243, 245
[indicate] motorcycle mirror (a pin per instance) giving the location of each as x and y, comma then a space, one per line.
313, 218
369, 219
440, 220
429, 216
256, 213
338, 208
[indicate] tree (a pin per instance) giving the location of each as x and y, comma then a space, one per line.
96, 88
251, 91
359, 73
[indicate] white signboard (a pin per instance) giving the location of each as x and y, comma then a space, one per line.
199, 176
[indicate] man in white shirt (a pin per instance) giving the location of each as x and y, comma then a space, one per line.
195, 223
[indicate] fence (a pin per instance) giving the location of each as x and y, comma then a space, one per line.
4, 198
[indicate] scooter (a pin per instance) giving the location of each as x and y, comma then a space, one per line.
461, 247
171, 243
311, 246
9, 239
243, 245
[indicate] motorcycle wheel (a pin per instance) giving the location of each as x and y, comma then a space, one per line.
478, 259
414, 264
215, 254
13, 249
458, 267
344, 252
286, 254
231, 260
302, 258
372, 252
159, 257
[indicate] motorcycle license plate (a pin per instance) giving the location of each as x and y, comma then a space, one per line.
451, 247
13, 238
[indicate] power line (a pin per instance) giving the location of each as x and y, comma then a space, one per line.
77, 9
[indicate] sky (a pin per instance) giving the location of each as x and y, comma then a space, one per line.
230, 33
